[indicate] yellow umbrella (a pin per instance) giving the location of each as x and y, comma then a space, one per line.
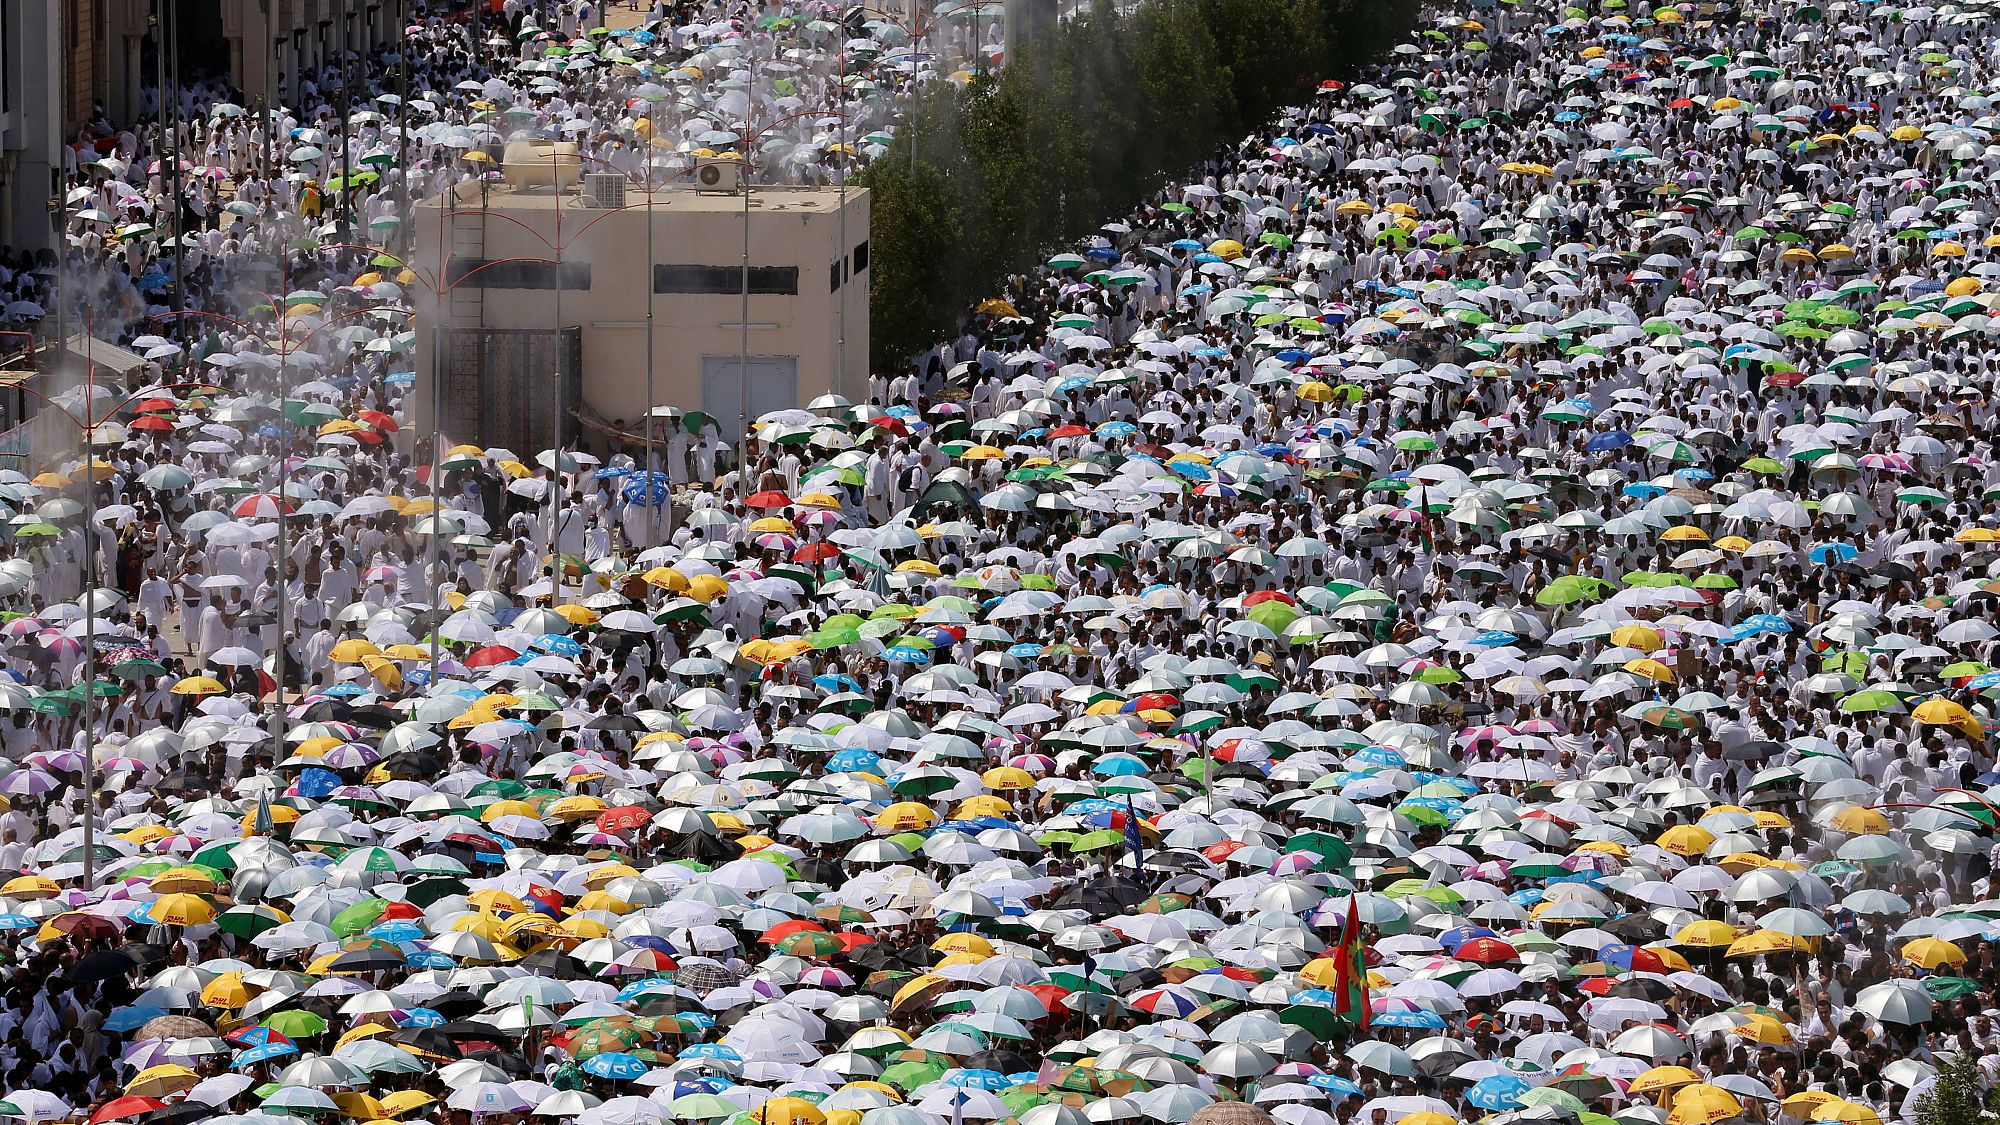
30, 886
706, 587
1004, 778
385, 671
1316, 391
1945, 713
1859, 820
1706, 934
1684, 533
1962, 287
1702, 1104
351, 650
159, 1081
788, 1111
1226, 249
963, 943
1664, 1078
181, 910
1686, 839
1355, 207
1933, 953
1803, 1103
177, 880
199, 685
906, 816
228, 991
1851, 1113
1650, 669
1948, 250
1645, 638
1763, 1029
1906, 133
667, 578
1763, 942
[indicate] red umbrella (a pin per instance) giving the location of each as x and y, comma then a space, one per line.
768, 500
378, 420
1262, 596
153, 405
783, 930
815, 552
491, 655
1071, 430
151, 422
260, 506
118, 1109
622, 818
1487, 951
1156, 701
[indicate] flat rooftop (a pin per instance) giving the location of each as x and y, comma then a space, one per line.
668, 200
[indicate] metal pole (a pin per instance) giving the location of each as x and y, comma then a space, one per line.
652, 513
562, 400
405, 238
437, 459
846, 273
346, 189
284, 541
743, 341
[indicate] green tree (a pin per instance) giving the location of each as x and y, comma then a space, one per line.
988, 178
1956, 1098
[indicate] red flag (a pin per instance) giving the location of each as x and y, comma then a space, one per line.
1350, 987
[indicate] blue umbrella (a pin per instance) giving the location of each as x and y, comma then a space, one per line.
265, 1051
1118, 765
1828, 554
397, 931
1334, 1084
1608, 440
855, 760
617, 1065
836, 682
132, 1017
1497, 1091
556, 645
722, 1051
649, 489
422, 1017
1409, 1019
318, 783
1458, 935
976, 1079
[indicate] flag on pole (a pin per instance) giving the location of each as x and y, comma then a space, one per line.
1350, 988
1134, 842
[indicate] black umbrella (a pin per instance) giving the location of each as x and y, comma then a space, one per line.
704, 975
373, 959
105, 964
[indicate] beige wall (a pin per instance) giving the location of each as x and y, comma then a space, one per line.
313, 29
788, 227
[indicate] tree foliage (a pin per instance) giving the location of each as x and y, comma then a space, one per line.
989, 177
1956, 1097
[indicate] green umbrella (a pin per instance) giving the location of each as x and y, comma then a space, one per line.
295, 1024
359, 917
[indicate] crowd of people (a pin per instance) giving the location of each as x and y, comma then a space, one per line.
1476, 603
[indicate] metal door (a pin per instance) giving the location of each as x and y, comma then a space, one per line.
772, 384
509, 387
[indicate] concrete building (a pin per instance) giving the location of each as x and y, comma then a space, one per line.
264, 46
529, 298
48, 61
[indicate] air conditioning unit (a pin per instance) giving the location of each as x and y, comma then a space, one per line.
718, 175
604, 191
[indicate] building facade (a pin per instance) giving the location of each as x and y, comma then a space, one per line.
533, 309
49, 69
264, 46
